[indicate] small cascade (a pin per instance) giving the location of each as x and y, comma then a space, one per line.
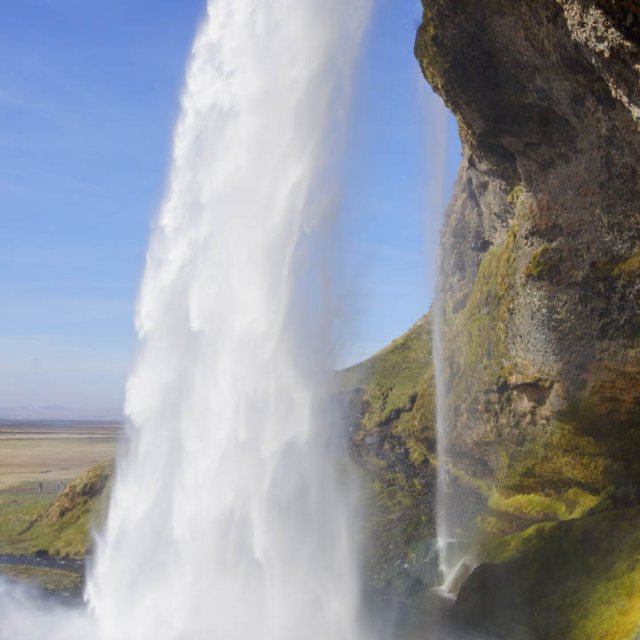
457, 577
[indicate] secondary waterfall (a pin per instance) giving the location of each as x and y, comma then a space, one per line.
451, 551
455, 563
229, 518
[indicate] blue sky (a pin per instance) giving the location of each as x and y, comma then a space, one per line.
89, 96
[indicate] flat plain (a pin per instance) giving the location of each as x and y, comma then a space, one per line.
45, 452
54, 454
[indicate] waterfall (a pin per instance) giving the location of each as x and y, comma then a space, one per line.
232, 515
451, 552
443, 529
229, 518
455, 561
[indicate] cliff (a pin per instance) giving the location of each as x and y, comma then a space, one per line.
540, 274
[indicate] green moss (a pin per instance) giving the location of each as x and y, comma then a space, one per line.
393, 394
544, 264
479, 332
561, 506
572, 580
59, 525
428, 52
17, 512
511, 546
621, 268
629, 268
398, 522
515, 195
393, 379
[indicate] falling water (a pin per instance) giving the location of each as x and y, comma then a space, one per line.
443, 529
229, 518
438, 144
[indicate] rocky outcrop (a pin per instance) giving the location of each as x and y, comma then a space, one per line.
540, 275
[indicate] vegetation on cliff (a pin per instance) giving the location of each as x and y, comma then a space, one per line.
392, 407
55, 525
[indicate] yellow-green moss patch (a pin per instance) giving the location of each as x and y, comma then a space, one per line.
572, 580
58, 525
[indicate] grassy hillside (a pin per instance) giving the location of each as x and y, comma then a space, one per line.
55, 525
392, 399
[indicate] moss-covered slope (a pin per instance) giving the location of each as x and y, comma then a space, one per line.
37, 525
572, 580
392, 403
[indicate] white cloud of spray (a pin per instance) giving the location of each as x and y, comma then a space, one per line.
26, 614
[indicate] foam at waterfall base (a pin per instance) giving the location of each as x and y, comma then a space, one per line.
457, 577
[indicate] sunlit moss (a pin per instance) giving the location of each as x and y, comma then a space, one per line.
394, 397
479, 332
544, 263
573, 580
427, 50
58, 525
515, 195
629, 268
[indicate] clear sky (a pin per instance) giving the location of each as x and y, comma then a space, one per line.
89, 94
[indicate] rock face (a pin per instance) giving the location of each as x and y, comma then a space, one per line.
541, 245
540, 273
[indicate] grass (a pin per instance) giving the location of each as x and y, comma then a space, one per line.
18, 511
64, 527
54, 525
52, 522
